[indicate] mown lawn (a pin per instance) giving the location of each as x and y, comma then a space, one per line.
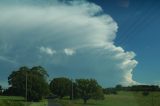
121, 99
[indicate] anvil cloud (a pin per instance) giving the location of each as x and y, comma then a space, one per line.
74, 39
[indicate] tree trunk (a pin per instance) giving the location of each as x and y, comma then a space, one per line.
85, 101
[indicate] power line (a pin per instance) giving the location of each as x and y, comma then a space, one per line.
140, 25
134, 28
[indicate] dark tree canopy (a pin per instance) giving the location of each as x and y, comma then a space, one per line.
0, 89
89, 88
61, 86
40, 71
81, 88
35, 78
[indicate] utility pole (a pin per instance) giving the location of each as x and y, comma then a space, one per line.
26, 88
72, 89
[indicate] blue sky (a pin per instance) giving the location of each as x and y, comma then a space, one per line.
139, 23
113, 41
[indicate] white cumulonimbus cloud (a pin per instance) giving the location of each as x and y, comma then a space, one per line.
80, 33
69, 51
47, 50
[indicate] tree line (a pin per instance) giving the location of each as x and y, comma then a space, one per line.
145, 89
32, 83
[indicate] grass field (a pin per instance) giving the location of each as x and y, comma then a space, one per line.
18, 101
121, 99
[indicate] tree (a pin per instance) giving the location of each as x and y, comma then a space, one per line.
37, 86
0, 89
145, 93
61, 86
109, 91
89, 88
119, 87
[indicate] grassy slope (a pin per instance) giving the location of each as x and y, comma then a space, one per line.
122, 99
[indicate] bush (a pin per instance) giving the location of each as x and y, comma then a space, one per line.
109, 91
145, 93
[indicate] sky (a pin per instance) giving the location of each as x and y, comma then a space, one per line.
112, 41
139, 23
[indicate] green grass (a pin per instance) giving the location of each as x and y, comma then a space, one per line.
11, 101
121, 99
18, 101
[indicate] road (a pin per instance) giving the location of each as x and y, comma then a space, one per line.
52, 103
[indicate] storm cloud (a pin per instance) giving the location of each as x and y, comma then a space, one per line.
73, 39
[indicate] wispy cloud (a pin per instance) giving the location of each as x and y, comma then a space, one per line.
5, 59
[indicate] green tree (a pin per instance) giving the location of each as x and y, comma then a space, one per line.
61, 86
98, 95
119, 87
35, 78
89, 88
0, 89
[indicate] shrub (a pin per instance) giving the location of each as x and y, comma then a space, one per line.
145, 93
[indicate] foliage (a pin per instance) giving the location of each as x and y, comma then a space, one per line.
119, 87
147, 88
98, 95
81, 88
144, 88
109, 91
145, 93
35, 78
89, 88
61, 86
0, 89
